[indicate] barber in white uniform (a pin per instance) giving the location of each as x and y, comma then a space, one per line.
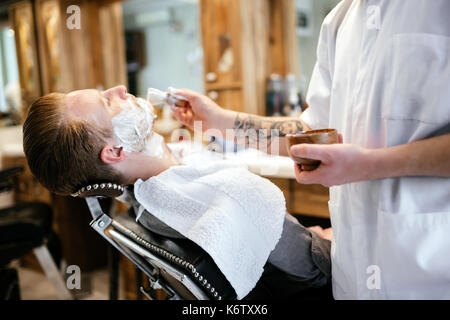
382, 79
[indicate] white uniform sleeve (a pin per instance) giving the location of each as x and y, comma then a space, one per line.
319, 91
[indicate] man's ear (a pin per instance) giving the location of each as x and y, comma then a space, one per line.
112, 154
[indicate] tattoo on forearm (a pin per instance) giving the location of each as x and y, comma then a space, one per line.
256, 129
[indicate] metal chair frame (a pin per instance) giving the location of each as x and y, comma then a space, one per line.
125, 242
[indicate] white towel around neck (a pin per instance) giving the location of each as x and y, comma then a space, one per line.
231, 213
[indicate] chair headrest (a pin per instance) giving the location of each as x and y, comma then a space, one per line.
107, 189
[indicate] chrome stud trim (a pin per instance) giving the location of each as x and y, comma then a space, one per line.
179, 261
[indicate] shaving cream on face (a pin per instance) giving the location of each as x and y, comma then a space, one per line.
133, 128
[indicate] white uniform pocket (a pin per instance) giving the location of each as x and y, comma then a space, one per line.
413, 255
418, 78
417, 99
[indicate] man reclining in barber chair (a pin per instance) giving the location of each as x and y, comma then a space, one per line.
90, 136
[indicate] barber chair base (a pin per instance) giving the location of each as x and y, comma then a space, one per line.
52, 272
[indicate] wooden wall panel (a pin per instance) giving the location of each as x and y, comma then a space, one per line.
290, 37
283, 39
78, 48
112, 45
255, 30
90, 57
51, 53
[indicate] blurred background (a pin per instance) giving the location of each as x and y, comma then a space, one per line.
255, 56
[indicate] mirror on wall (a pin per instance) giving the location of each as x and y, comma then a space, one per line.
310, 15
163, 49
163, 45
10, 96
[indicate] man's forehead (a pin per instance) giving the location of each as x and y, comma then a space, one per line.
85, 95
83, 102
88, 104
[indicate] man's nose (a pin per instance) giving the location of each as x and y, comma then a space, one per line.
118, 91
122, 92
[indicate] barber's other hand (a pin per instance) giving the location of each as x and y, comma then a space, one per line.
340, 164
197, 108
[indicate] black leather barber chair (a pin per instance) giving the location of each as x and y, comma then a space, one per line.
179, 266
26, 227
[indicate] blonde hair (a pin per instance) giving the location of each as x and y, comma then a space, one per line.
63, 153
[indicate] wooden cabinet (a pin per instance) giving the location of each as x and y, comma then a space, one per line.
243, 43
309, 200
221, 26
26, 187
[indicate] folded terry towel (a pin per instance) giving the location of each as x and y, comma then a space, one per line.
233, 214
